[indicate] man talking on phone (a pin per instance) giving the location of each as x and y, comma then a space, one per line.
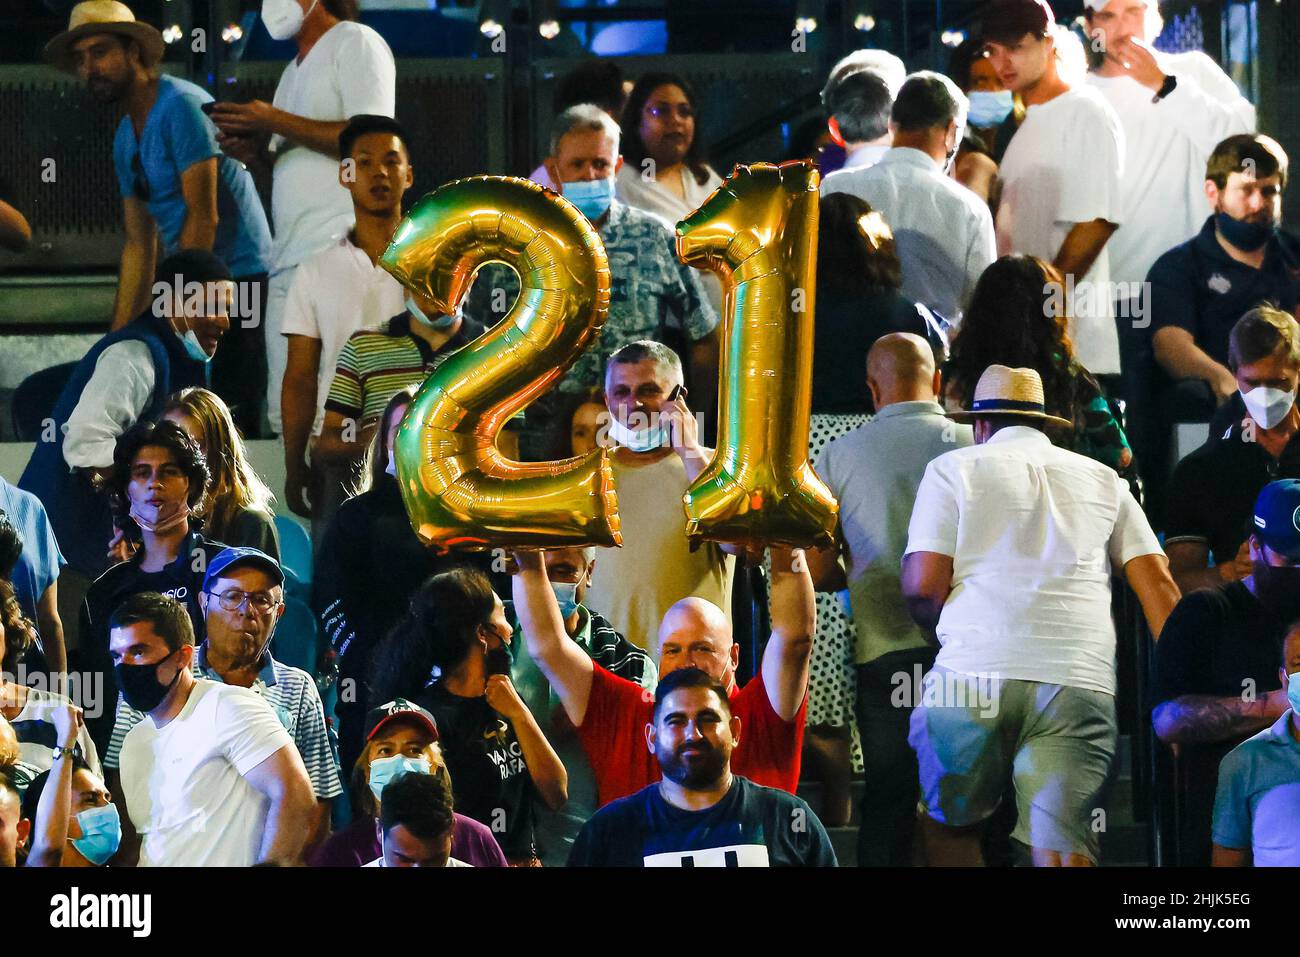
174, 180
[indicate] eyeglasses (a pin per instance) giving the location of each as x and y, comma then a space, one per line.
661, 111
234, 599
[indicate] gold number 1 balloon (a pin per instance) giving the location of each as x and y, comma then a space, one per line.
459, 490
758, 232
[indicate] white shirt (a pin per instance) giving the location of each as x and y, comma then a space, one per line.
1166, 147
350, 70
184, 783
1064, 166
862, 157
113, 400
335, 293
1033, 532
943, 231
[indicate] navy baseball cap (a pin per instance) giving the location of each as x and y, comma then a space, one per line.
242, 556
1277, 517
376, 718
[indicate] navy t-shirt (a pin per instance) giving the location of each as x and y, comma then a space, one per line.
752, 826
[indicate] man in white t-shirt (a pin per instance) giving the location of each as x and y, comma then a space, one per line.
336, 292
211, 778
1009, 557
342, 69
1174, 109
1060, 174
416, 822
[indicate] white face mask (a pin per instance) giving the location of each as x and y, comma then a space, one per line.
1268, 407
638, 440
283, 18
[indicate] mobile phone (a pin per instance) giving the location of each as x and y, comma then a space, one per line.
207, 107
678, 391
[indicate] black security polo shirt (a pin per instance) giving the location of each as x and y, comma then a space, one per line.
1212, 493
1197, 286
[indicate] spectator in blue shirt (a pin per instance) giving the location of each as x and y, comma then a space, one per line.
1257, 807
174, 181
35, 576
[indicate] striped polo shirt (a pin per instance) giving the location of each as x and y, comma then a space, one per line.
376, 364
293, 697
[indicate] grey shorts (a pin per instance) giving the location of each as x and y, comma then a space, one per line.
1055, 742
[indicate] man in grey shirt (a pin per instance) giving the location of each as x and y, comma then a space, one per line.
874, 471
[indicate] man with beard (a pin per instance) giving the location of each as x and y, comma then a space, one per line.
1238, 260
174, 180
700, 814
1215, 678
242, 600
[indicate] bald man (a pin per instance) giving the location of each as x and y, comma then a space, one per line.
874, 471
612, 713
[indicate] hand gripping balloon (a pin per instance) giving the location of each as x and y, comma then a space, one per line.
758, 232
459, 490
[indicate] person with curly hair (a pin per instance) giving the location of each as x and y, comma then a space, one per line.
158, 483
1017, 318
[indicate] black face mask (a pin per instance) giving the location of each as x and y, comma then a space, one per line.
140, 685
1278, 590
498, 660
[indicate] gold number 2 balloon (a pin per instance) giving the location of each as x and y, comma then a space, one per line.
459, 490
758, 232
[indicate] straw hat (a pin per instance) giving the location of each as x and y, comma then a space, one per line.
1005, 391
103, 16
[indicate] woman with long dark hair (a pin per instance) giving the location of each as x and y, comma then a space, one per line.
369, 566
664, 167
1018, 318
496, 752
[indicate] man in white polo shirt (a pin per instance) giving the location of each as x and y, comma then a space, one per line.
943, 231
1009, 558
211, 778
342, 69
1060, 174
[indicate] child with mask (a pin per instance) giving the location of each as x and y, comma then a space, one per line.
401, 737
498, 755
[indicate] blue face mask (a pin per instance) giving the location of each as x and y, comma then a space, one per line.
192, 348
591, 196
384, 770
101, 833
442, 323
1244, 235
1293, 691
566, 593
989, 109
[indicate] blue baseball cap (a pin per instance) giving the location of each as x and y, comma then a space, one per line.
242, 556
1277, 517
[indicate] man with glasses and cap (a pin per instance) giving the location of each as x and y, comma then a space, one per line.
242, 600
174, 180
1009, 559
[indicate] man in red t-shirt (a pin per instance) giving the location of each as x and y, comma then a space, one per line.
612, 715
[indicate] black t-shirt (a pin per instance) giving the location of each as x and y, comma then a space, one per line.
752, 826
489, 779
1213, 490
1215, 640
